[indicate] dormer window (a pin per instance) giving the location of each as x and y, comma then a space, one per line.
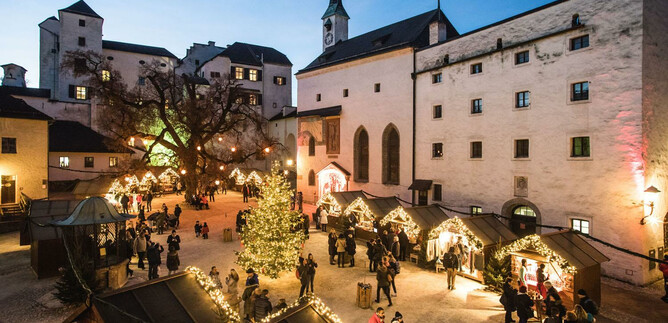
328, 25
381, 40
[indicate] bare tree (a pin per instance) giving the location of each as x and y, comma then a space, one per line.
186, 122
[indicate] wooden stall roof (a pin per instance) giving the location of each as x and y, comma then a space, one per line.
382, 206
345, 198
176, 298
576, 250
427, 217
43, 213
95, 187
305, 312
489, 229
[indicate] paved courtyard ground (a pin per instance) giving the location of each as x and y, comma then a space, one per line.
422, 296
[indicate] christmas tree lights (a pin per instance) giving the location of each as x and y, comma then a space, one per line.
533, 242
271, 239
215, 293
456, 225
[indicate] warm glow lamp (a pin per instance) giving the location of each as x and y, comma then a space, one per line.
290, 162
183, 172
221, 167
233, 149
650, 196
267, 150
217, 182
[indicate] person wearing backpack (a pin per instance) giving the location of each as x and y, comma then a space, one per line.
587, 303
508, 299
450, 263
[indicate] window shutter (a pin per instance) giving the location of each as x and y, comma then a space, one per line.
246, 74
275, 79
71, 92
88, 93
259, 75
259, 99
232, 72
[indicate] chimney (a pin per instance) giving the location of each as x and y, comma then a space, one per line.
437, 32
212, 43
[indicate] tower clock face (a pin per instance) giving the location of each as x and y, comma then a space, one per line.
329, 38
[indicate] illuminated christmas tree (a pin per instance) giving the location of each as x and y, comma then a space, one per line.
271, 236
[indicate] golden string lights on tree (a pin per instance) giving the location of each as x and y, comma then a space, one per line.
400, 216
310, 299
533, 242
215, 293
457, 226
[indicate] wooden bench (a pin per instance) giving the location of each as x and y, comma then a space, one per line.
439, 267
413, 256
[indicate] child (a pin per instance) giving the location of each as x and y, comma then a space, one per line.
198, 229
205, 231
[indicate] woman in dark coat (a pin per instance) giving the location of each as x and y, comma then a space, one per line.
303, 277
524, 305
351, 248
312, 265
332, 246
509, 293
173, 261
552, 299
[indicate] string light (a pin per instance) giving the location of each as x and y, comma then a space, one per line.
199, 148
217, 182
215, 293
312, 300
239, 177
456, 225
328, 199
221, 167
220, 139
233, 149
183, 172
267, 150
400, 216
362, 212
535, 243
167, 175
290, 162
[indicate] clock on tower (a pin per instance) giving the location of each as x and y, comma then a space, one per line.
329, 38
335, 24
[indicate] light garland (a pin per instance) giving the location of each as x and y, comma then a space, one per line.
148, 177
309, 299
167, 175
215, 293
116, 187
239, 177
361, 210
534, 242
253, 176
132, 181
328, 199
457, 225
400, 216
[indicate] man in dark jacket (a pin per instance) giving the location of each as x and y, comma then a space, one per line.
154, 261
378, 253
331, 244
149, 199
351, 248
370, 250
125, 200
403, 245
174, 240
553, 300
508, 298
524, 305
450, 265
177, 214
262, 306
587, 303
382, 277
306, 224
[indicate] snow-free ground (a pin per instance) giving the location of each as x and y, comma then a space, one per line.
422, 295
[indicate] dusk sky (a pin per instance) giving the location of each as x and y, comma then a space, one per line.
291, 26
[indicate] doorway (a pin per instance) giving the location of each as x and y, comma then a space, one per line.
8, 191
423, 197
523, 221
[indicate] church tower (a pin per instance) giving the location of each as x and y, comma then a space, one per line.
334, 24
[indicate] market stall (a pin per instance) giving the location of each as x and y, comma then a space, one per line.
168, 179
335, 203
478, 237
570, 261
147, 182
306, 309
249, 176
368, 212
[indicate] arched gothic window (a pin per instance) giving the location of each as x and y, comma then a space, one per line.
361, 150
311, 146
311, 178
391, 155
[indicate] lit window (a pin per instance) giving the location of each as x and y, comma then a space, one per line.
437, 112
476, 149
252, 99
436, 78
8, 145
524, 211
438, 192
522, 99
580, 91
89, 162
580, 147
476, 106
580, 225
279, 80
64, 162
106, 76
252, 75
476, 68
522, 148
522, 57
113, 161
239, 73
476, 210
437, 150
580, 42
81, 92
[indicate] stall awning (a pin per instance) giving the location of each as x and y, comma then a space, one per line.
42, 213
427, 217
489, 229
380, 207
343, 199
95, 187
578, 252
420, 185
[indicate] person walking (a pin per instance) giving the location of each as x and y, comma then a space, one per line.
262, 306
212, 194
306, 223
304, 278
245, 192
395, 247
324, 220
160, 221
149, 199
403, 245
177, 214
378, 316
205, 231
154, 259
316, 217
508, 299
198, 229
587, 303
351, 248
331, 243
370, 249
300, 201
125, 200
341, 250
173, 261
174, 240
312, 265
450, 265
383, 280
178, 187
140, 249
378, 253
393, 269
524, 305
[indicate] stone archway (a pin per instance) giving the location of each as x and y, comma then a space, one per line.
525, 211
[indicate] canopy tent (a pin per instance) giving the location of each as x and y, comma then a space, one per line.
94, 210
570, 260
306, 309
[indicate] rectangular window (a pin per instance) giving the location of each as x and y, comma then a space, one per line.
522, 57
580, 147
81, 92
522, 148
318, 97
215, 74
522, 99
580, 91
437, 111
345, 93
476, 149
476, 106
113, 162
141, 81
437, 150
438, 192
106, 76
82, 23
580, 225
436, 78
279, 80
252, 99
89, 162
580, 42
64, 162
239, 73
476, 210
376, 87
82, 41
8, 145
252, 75
476, 68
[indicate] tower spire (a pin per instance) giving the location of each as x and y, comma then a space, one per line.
439, 5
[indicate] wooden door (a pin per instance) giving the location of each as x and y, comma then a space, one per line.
8, 191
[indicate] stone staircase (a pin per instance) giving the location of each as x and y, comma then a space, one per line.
9, 210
